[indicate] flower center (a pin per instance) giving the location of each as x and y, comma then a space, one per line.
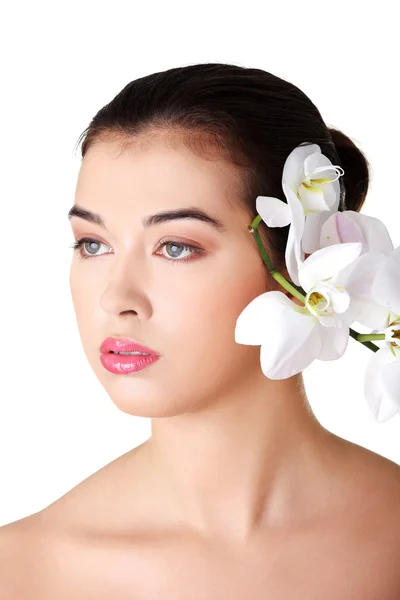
312, 184
316, 302
394, 326
315, 183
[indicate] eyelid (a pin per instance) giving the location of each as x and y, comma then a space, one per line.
92, 236
195, 248
175, 238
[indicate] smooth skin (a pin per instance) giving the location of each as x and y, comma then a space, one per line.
239, 492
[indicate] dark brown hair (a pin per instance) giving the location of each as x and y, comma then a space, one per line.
250, 117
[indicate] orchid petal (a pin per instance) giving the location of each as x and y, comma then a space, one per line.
369, 313
358, 276
302, 164
311, 241
390, 377
326, 263
274, 212
386, 286
315, 171
313, 162
335, 341
351, 224
312, 198
327, 320
294, 343
259, 317
358, 279
332, 194
287, 333
350, 315
378, 401
291, 261
340, 228
317, 166
375, 233
311, 237
340, 299
315, 193
293, 169
294, 256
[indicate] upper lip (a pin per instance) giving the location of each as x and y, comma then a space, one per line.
124, 345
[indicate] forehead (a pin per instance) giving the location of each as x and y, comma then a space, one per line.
155, 172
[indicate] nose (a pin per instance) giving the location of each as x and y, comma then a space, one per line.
125, 288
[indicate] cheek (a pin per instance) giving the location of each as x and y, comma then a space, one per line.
239, 285
205, 313
84, 293
74, 285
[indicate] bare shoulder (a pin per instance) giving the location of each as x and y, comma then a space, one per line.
40, 559
373, 483
377, 501
380, 474
364, 469
84, 538
19, 541
55, 546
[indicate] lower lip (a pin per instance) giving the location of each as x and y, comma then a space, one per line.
120, 364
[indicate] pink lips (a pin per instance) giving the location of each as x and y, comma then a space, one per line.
120, 364
111, 344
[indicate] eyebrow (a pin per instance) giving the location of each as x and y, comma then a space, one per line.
151, 220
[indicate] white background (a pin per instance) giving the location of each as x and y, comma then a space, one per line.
61, 62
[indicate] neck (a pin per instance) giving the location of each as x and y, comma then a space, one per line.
243, 463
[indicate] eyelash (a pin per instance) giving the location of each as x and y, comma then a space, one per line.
77, 247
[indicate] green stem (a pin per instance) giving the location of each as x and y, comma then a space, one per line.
298, 291
366, 337
368, 344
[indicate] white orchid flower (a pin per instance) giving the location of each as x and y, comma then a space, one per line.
382, 375
379, 302
311, 195
293, 336
378, 266
386, 284
374, 286
351, 226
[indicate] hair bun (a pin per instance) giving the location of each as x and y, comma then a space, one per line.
356, 170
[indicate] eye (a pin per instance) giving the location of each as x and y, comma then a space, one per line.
79, 246
175, 248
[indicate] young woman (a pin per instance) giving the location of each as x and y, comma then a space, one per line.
239, 492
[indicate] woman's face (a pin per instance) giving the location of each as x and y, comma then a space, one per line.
179, 302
